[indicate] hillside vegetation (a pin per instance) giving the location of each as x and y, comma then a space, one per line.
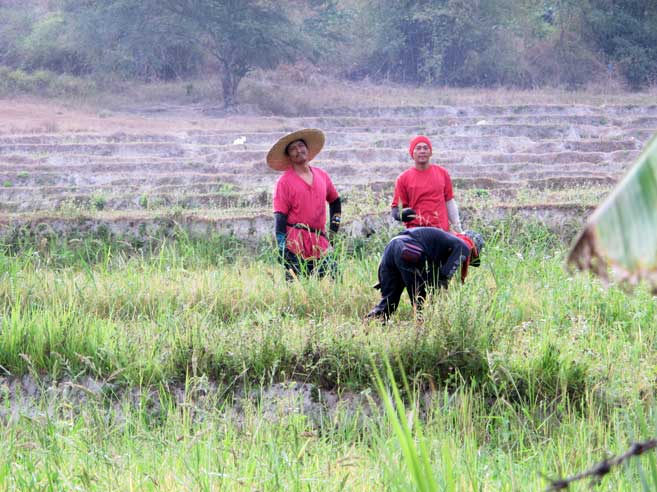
520, 44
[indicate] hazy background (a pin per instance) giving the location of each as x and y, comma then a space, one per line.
62, 47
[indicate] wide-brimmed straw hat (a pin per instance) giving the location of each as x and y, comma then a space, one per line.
278, 160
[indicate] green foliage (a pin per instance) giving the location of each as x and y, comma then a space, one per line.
156, 361
133, 39
451, 41
49, 46
563, 59
42, 83
15, 22
520, 365
525, 43
239, 34
408, 431
548, 376
144, 201
327, 30
487, 42
98, 202
625, 31
622, 232
407, 40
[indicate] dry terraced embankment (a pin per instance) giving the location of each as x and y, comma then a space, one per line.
553, 162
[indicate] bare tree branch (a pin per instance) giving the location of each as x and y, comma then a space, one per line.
598, 471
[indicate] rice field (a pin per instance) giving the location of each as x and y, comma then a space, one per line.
149, 340
194, 366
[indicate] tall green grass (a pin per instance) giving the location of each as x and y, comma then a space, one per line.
467, 444
520, 324
521, 371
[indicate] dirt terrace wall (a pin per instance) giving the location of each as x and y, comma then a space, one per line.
561, 219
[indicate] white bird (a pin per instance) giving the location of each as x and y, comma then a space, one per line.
239, 141
482, 122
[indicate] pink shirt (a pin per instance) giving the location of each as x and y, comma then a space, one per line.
426, 192
305, 204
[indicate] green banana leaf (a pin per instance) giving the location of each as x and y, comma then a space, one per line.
621, 234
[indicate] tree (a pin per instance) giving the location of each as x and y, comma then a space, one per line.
15, 21
457, 42
131, 39
487, 41
240, 35
161, 38
408, 39
624, 30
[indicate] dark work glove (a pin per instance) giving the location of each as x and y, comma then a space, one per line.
334, 225
375, 314
408, 214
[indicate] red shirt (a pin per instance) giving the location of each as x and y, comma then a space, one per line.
305, 204
426, 192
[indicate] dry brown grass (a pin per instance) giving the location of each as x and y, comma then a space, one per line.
316, 91
287, 91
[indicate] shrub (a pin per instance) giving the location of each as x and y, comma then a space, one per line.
564, 60
48, 47
624, 31
43, 83
99, 202
273, 99
637, 65
143, 201
502, 61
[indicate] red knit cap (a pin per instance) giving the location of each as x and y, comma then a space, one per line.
417, 140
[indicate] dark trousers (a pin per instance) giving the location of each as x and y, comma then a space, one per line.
296, 266
394, 275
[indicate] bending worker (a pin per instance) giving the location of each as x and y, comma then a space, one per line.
421, 258
300, 197
424, 192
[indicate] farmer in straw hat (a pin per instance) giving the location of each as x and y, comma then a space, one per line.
421, 258
424, 192
300, 197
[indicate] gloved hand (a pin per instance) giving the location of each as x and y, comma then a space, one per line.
378, 315
334, 225
408, 214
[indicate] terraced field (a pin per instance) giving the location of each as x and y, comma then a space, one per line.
140, 172
184, 369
